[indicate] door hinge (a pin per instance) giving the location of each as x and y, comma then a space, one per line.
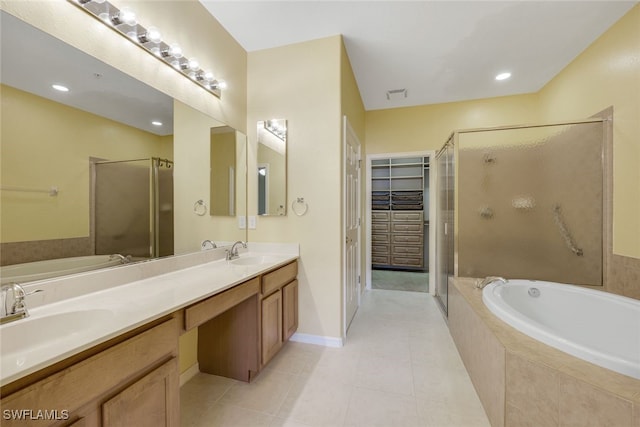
358, 279
359, 163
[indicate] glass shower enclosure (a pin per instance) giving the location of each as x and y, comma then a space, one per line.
133, 207
523, 202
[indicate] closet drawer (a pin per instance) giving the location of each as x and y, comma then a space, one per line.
406, 227
380, 216
406, 261
379, 259
407, 216
379, 249
380, 227
413, 239
380, 238
414, 251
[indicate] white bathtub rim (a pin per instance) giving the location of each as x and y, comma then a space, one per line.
540, 333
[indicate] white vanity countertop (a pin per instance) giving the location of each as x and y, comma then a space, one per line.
53, 332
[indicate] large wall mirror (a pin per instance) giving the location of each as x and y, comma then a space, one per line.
85, 172
272, 167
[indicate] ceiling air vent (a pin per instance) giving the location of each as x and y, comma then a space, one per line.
396, 94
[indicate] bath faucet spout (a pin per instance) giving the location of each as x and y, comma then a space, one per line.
13, 306
208, 244
233, 252
481, 283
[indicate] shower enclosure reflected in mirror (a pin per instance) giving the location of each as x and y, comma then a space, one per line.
228, 148
272, 167
50, 140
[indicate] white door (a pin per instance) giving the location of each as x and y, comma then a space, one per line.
351, 224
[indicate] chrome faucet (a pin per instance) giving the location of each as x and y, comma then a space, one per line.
233, 252
123, 259
13, 306
208, 244
481, 283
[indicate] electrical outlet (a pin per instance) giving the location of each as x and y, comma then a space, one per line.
252, 222
242, 222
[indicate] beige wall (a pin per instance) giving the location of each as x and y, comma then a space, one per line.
428, 127
301, 83
46, 144
606, 73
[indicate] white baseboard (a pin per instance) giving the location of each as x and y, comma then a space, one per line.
318, 340
189, 373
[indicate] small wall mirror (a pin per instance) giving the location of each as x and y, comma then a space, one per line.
227, 169
272, 167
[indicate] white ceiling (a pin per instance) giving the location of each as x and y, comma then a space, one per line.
439, 51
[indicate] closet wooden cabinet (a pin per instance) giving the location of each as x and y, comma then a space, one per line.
133, 382
397, 204
279, 309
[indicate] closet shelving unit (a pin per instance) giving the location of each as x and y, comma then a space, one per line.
397, 202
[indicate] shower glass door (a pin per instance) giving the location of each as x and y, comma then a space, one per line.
445, 222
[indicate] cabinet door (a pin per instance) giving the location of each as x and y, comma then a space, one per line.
290, 309
271, 325
151, 401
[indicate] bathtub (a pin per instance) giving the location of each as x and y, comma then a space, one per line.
39, 270
596, 326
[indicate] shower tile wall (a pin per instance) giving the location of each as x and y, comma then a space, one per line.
39, 250
510, 182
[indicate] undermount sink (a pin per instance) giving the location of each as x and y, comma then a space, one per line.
39, 331
255, 260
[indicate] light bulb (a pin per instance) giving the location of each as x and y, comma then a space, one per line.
222, 84
127, 16
503, 76
193, 64
175, 50
208, 76
154, 35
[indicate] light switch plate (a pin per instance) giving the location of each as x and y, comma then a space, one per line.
252, 222
242, 222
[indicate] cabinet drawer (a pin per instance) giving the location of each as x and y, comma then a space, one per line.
414, 251
406, 261
84, 382
379, 238
380, 216
407, 216
412, 239
278, 278
380, 227
206, 310
379, 249
406, 227
380, 259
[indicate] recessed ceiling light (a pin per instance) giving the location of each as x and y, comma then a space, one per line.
156, 123
60, 88
503, 76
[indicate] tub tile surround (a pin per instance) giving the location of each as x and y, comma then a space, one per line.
39, 250
541, 385
138, 294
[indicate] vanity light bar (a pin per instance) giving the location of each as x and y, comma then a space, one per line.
276, 128
124, 21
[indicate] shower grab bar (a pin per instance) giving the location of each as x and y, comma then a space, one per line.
53, 191
564, 232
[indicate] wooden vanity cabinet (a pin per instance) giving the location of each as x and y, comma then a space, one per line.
279, 309
133, 382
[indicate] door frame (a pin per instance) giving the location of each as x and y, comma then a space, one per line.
431, 154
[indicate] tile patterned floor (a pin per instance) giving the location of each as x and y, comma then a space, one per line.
399, 367
394, 280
